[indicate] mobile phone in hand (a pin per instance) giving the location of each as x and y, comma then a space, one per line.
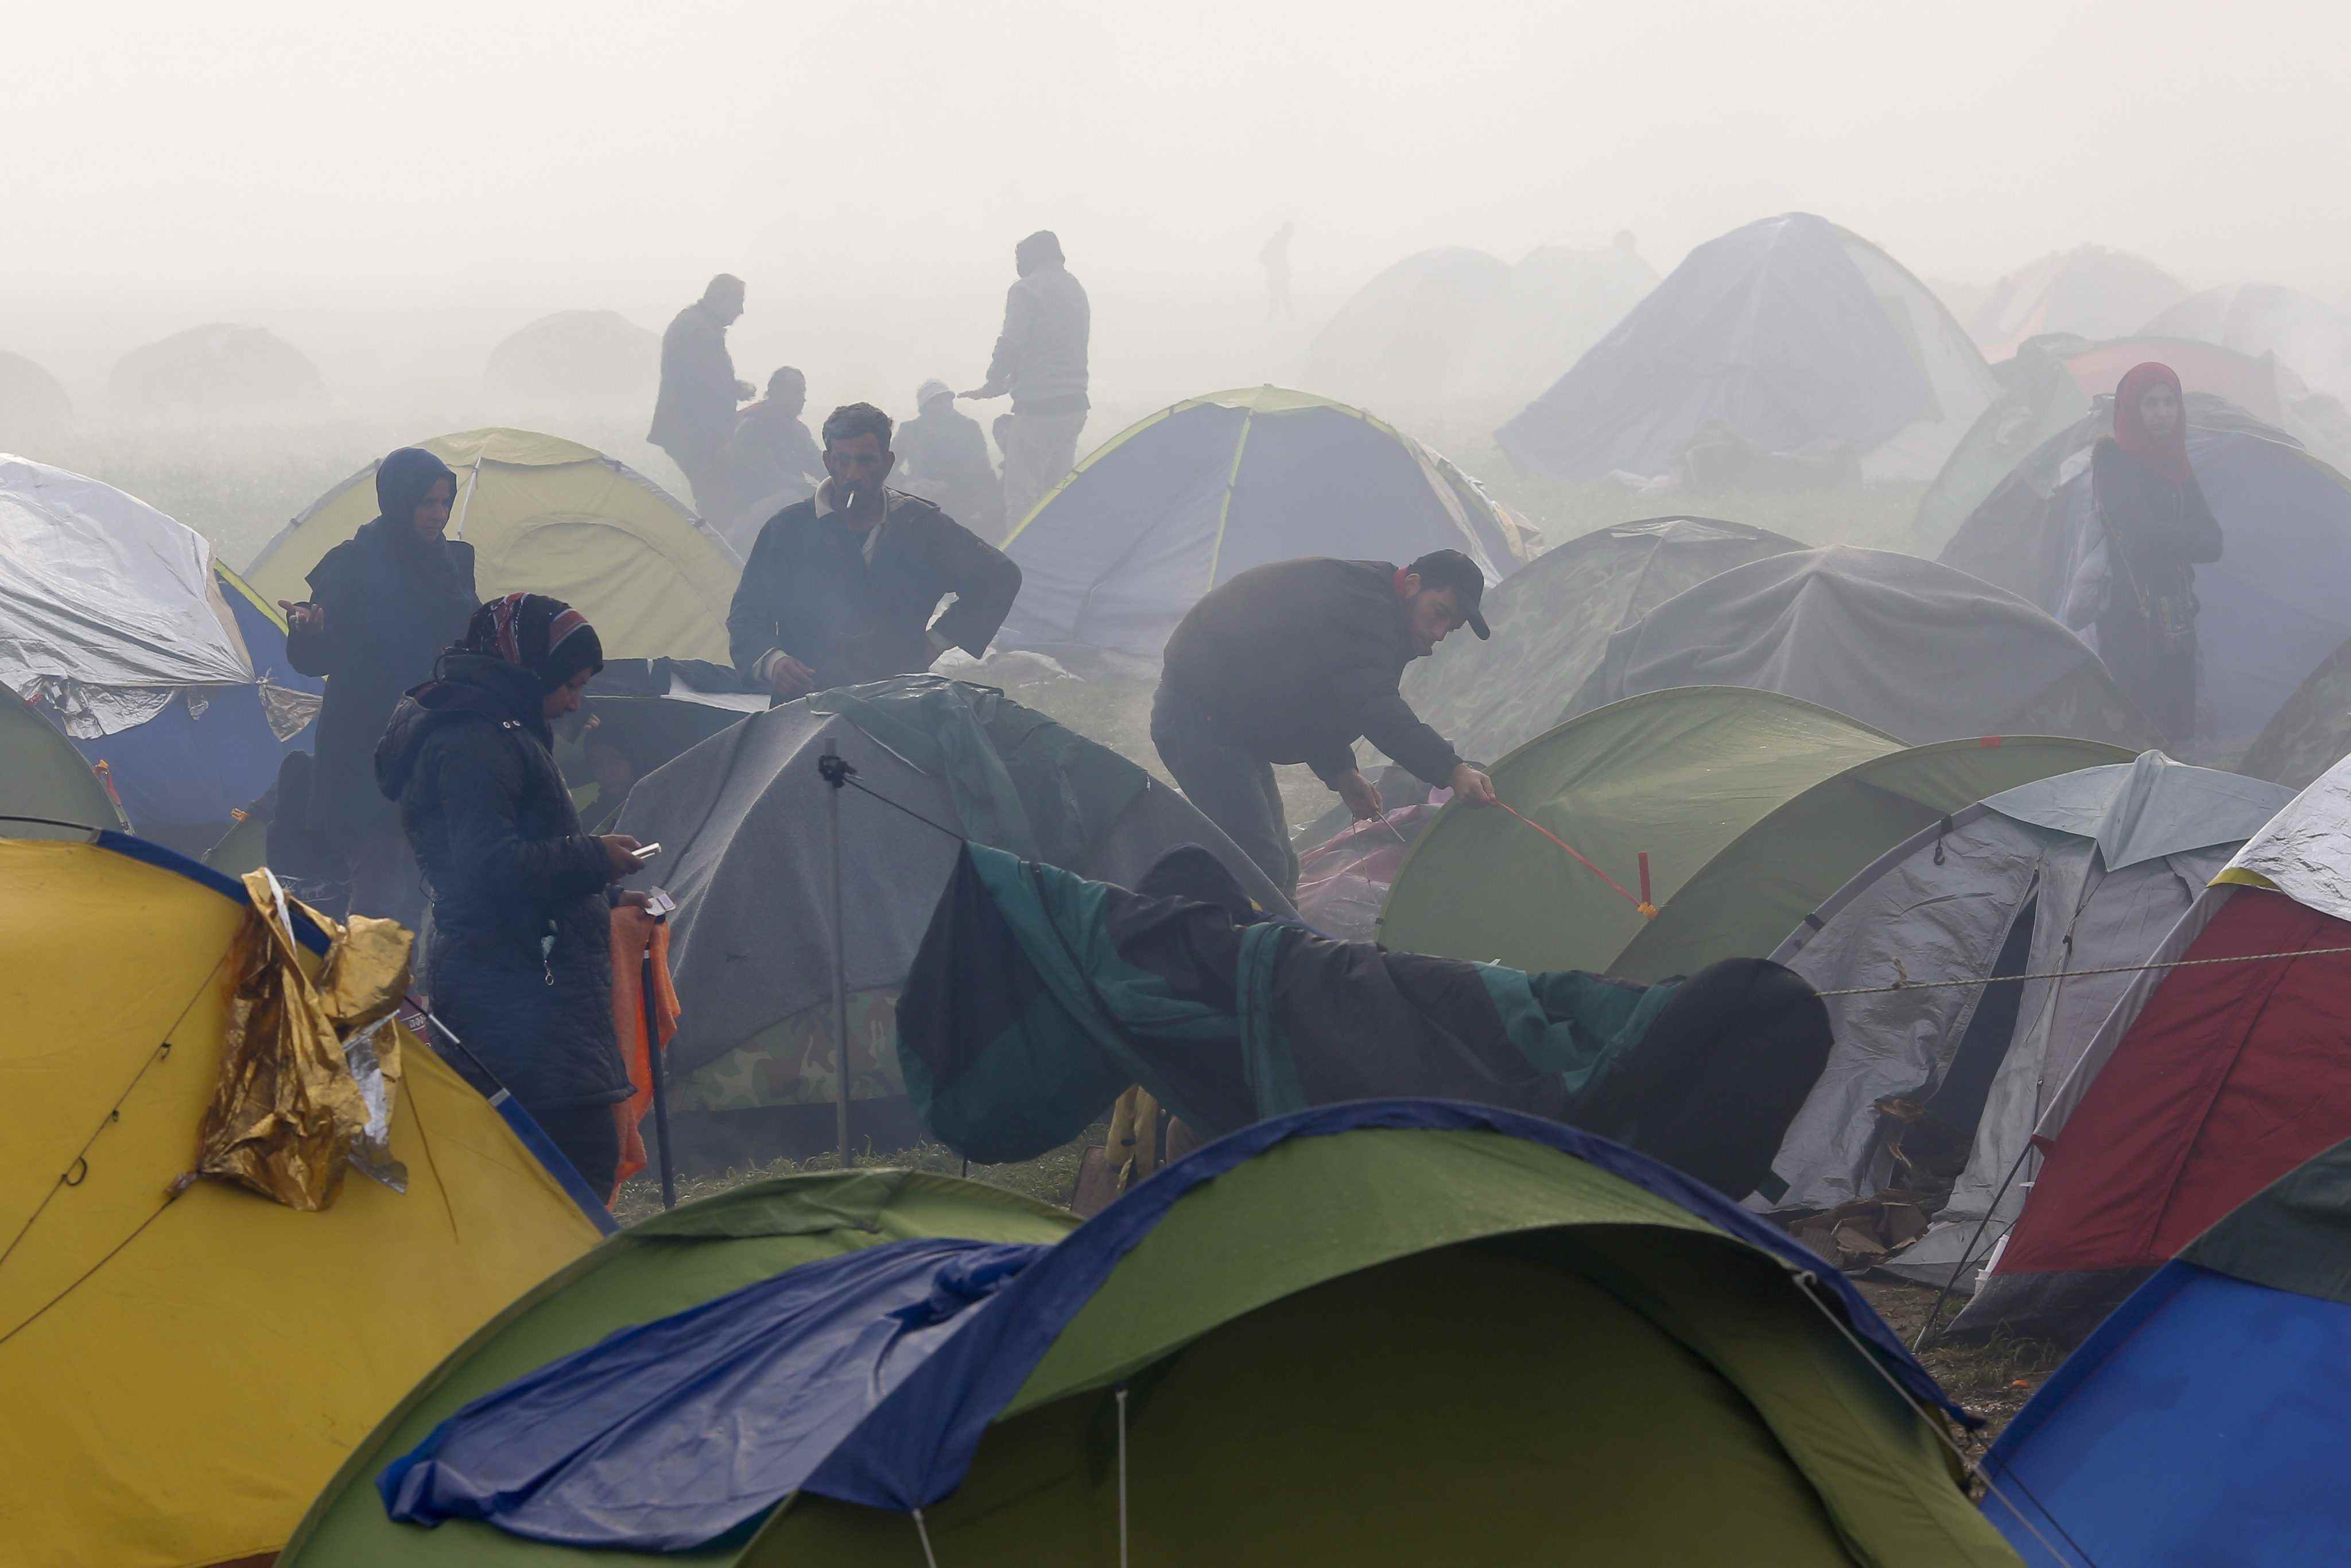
644, 852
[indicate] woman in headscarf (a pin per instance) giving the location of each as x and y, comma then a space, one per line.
2158, 527
382, 605
520, 963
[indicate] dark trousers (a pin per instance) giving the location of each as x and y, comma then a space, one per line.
588, 1138
1229, 786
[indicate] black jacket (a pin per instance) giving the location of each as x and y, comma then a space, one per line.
392, 602
1293, 660
694, 410
507, 867
808, 591
2161, 530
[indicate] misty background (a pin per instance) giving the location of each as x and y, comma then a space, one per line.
395, 191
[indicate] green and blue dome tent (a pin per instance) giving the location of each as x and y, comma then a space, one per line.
1237, 1362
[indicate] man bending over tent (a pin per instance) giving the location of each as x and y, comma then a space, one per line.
841, 588
1294, 662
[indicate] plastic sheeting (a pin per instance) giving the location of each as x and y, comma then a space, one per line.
2304, 852
108, 607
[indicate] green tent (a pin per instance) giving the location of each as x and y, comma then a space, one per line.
1374, 1343
1760, 804
41, 774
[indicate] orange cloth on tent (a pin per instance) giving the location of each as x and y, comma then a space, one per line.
632, 929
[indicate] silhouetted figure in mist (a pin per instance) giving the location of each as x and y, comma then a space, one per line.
942, 456
2158, 527
842, 588
693, 418
1040, 359
1275, 259
772, 460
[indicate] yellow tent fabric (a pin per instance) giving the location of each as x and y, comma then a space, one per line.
553, 516
180, 1375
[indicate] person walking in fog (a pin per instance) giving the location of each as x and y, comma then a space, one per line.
773, 460
520, 965
694, 417
1293, 662
382, 605
841, 588
1040, 359
2157, 529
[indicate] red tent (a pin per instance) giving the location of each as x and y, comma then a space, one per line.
2203, 1086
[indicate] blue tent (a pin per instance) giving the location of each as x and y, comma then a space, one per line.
1179, 502
2205, 1420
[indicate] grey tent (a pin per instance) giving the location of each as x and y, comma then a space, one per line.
1905, 645
1406, 336
2311, 733
2275, 605
742, 818
2300, 330
1552, 618
1791, 332
214, 367
2081, 872
2089, 291
577, 354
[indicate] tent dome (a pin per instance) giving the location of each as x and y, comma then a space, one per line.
1917, 649
183, 1372
1378, 1269
2089, 291
2086, 871
212, 368
577, 354
2198, 1089
2276, 604
42, 776
2304, 332
121, 628
1755, 805
31, 399
1551, 621
1557, 302
1791, 332
1172, 506
552, 516
1409, 335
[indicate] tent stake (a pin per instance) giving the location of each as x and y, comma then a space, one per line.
836, 771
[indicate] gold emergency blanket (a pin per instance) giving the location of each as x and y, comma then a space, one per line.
286, 1110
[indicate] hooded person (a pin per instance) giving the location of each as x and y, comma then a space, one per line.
382, 605
943, 457
1040, 359
519, 963
2157, 527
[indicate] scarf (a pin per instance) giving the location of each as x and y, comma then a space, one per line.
2167, 455
545, 636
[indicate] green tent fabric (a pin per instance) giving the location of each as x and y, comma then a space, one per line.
1552, 618
41, 774
1755, 805
1752, 894
1560, 1360
1678, 774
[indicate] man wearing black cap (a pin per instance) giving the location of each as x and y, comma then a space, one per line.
1293, 663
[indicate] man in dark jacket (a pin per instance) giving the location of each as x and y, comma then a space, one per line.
382, 605
1040, 359
694, 417
841, 588
519, 966
1292, 663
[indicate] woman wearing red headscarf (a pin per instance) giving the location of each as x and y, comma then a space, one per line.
2158, 526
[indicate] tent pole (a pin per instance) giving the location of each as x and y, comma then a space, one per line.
658, 1068
836, 771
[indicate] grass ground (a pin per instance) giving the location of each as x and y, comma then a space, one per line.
1992, 1380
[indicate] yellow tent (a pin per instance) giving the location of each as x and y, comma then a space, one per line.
180, 1375
551, 515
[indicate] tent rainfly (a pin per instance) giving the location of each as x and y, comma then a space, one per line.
1438, 1281
216, 367
2201, 1087
1917, 649
2299, 330
184, 1365
2081, 872
2089, 291
43, 776
552, 516
1179, 502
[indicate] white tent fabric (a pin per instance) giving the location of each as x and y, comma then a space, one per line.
108, 607
1944, 906
2305, 851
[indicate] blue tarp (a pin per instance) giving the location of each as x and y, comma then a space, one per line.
2203, 1423
870, 1378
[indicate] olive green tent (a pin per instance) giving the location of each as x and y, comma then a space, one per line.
41, 774
1396, 1334
552, 516
1756, 805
